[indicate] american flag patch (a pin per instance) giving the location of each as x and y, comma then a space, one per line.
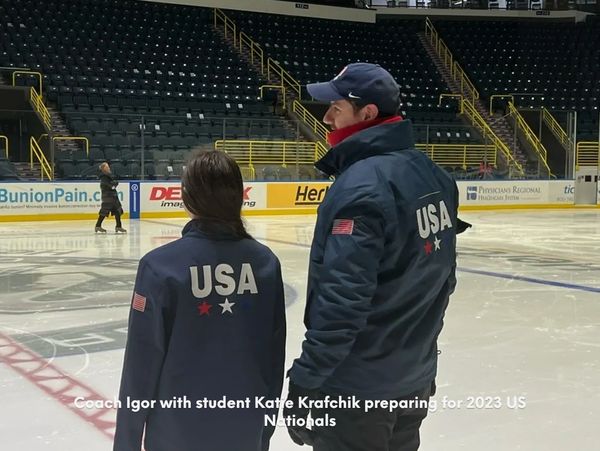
139, 302
343, 227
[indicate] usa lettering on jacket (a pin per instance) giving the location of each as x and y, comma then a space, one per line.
224, 280
433, 220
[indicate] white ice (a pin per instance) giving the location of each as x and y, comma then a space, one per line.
524, 322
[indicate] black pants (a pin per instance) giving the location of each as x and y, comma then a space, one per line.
117, 215
376, 430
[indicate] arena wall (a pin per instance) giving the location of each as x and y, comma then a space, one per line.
151, 199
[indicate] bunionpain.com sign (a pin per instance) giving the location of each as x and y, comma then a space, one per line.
55, 198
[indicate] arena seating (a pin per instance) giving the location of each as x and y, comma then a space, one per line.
7, 169
554, 65
313, 50
107, 63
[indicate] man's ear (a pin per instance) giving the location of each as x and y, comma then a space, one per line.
371, 112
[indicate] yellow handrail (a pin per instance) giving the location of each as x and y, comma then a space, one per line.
285, 153
5, 138
456, 71
466, 86
533, 139
75, 138
36, 150
287, 81
248, 173
471, 94
228, 24
270, 152
556, 129
40, 108
464, 155
452, 96
499, 96
535, 142
431, 32
587, 154
255, 50
282, 88
315, 125
478, 122
27, 72
320, 150
273, 67
35, 96
445, 55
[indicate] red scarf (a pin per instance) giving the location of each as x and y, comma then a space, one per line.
337, 136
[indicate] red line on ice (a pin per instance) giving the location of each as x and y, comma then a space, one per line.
44, 375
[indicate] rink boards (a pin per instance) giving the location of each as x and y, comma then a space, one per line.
151, 199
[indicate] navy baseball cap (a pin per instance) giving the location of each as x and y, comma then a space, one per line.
363, 83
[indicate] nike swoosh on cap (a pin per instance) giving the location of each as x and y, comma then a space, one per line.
352, 96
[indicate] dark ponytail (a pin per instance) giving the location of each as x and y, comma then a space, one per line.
213, 191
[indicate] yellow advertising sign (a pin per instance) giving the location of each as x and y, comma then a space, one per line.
296, 195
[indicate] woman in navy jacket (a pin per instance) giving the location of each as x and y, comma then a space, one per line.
207, 322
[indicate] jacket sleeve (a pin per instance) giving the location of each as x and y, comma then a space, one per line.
279, 337
452, 277
144, 355
278, 360
344, 284
105, 183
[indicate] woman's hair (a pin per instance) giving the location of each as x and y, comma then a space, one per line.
213, 191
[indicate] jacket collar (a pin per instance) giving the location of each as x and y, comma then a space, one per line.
210, 230
382, 138
337, 136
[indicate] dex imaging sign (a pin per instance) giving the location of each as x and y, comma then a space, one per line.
164, 197
168, 196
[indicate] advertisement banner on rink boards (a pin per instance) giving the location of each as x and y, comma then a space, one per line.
55, 198
507, 192
296, 195
561, 192
79, 200
165, 197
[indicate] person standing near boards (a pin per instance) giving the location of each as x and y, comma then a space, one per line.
110, 200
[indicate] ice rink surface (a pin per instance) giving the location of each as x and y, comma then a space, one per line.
519, 368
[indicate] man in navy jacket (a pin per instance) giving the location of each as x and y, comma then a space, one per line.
382, 268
